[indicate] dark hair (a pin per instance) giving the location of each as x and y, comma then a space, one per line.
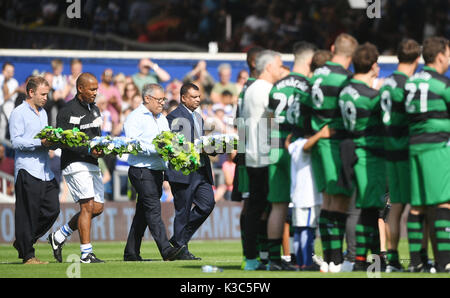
251, 55
432, 46
226, 93
408, 51
320, 58
186, 87
303, 46
172, 103
34, 82
6, 64
364, 57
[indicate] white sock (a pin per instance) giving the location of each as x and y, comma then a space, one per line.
85, 249
63, 232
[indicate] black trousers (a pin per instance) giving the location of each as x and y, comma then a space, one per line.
37, 208
189, 218
148, 185
257, 203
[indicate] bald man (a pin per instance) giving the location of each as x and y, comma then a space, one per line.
80, 168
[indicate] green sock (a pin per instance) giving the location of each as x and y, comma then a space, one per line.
324, 224
392, 256
367, 236
337, 237
274, 248
442, 227
415, 235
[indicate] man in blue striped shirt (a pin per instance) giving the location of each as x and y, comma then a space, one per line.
146, 174
37, 202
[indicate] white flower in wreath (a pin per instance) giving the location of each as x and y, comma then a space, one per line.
110, 146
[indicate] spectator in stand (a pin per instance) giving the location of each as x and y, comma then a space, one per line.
254, 25
135, 102
144, 76
224, 83
8, 84
229, 106
128, 94
120, 81
107, 124
8, 94
7, 167
108, 127
173, 90
55, 100
76, 68
241, 79
216, 123
112, 95
105, 18
225, 187
59, 80
173, 104
206, 107
200, 76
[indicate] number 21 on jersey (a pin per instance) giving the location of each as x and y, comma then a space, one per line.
412, 89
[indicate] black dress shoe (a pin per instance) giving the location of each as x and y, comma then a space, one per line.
173, 253
132, 258
186, 255
192, 257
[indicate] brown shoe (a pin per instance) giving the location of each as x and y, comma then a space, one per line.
34, 261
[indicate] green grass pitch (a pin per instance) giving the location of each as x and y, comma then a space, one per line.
224, 254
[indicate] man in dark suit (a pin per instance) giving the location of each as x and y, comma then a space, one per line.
195, 188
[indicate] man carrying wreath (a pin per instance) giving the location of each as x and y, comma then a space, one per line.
80, 168
37, 204
195, 188
146, 175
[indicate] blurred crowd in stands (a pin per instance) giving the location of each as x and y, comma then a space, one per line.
275, 24
119, 94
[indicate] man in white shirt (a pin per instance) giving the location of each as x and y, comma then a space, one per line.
8, 83
146, 175
8, 95
257, 148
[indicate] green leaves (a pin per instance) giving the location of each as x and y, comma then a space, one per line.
182, 155
70, 137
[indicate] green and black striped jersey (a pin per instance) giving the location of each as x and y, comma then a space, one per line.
361, 114
427, 105
287, 103
392, 100
326, 84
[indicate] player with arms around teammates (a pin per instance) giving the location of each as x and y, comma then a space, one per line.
396, 144
286, 101
326, 83
427, 105
360, 108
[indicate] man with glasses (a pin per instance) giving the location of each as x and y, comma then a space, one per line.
146, 175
